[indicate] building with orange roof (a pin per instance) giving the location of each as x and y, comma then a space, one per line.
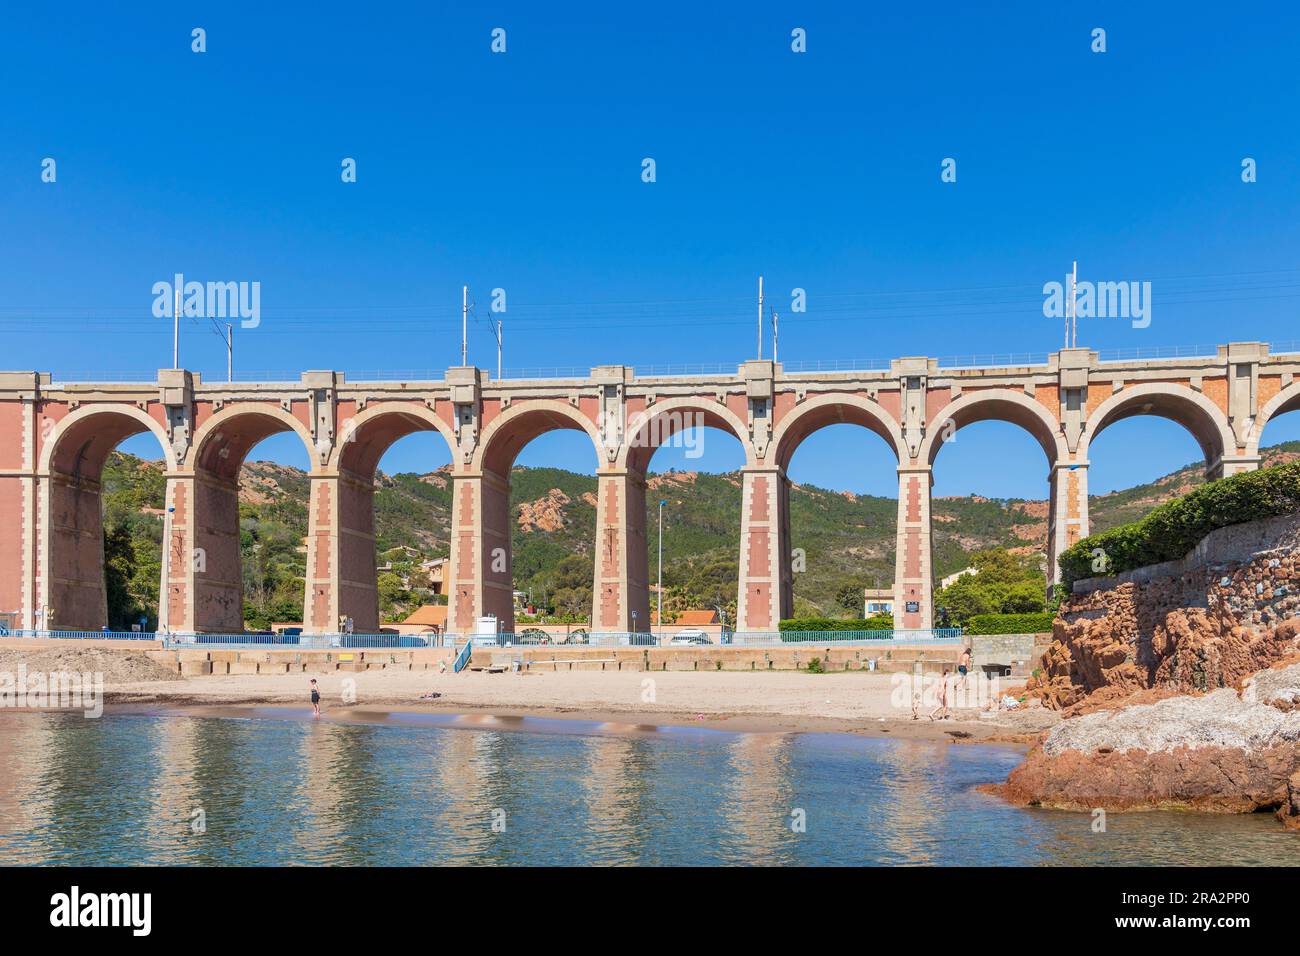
426, 619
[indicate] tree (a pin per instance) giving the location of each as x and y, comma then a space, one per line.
573, 603
391, 590
119, 569
1004, 584
575, 571
964, 598
850, 598
1024, 597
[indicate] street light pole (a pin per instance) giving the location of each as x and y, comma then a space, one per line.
660, 613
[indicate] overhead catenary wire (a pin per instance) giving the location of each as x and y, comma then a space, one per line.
1011, 303
1027, 293
304, 315
321, 325
494, 329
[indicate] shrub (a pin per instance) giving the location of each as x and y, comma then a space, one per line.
815, 666
1009, 623
1174, 529
881, 622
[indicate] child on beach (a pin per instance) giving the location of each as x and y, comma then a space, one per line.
315, 698
943, 697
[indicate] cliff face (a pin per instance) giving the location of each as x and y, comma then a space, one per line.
1229, 609
1181, 682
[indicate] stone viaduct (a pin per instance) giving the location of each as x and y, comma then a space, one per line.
55, 437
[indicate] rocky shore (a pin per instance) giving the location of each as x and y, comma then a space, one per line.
1180, 684
1228, 751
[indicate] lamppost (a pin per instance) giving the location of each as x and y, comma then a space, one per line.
660, 612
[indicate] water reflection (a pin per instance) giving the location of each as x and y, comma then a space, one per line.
123, 789
25, 749
175, 809
761, 808
615, 771
907, 794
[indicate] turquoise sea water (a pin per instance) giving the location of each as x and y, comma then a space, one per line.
275, 788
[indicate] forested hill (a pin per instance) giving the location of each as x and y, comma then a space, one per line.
848, 539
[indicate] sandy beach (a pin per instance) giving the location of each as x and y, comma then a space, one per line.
861, 703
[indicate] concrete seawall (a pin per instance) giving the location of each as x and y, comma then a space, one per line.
889, 659
1019, 653
200, 662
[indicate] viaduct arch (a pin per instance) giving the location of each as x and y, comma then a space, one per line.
202, 565
50, 531
341, 581
482, 558
621, 597
1205, 421
801, 420
1285, 400
69, 572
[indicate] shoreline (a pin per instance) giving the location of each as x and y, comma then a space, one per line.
492, 717
861, 703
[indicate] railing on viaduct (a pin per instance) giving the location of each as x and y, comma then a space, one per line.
56, 436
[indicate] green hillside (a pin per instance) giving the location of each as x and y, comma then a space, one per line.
848, 540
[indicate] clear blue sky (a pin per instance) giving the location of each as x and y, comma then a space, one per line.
522, 171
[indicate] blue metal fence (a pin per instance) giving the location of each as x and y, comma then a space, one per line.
575, 639
236, 641
932, 635
83, 635
524, 639
304, 641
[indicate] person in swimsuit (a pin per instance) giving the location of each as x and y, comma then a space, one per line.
964, 667
315, 698
942, 694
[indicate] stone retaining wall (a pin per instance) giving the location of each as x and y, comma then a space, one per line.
1228, 609
857, 657
1019, 652
201, 662
274, 661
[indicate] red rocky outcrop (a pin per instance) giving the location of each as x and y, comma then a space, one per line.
1230, 609
1229, 751
1183, 779
1181, 683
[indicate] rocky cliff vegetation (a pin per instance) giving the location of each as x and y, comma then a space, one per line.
1180, 682
1223, 613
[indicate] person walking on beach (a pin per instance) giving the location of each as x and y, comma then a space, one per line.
943, 697
315, 698
964, 667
